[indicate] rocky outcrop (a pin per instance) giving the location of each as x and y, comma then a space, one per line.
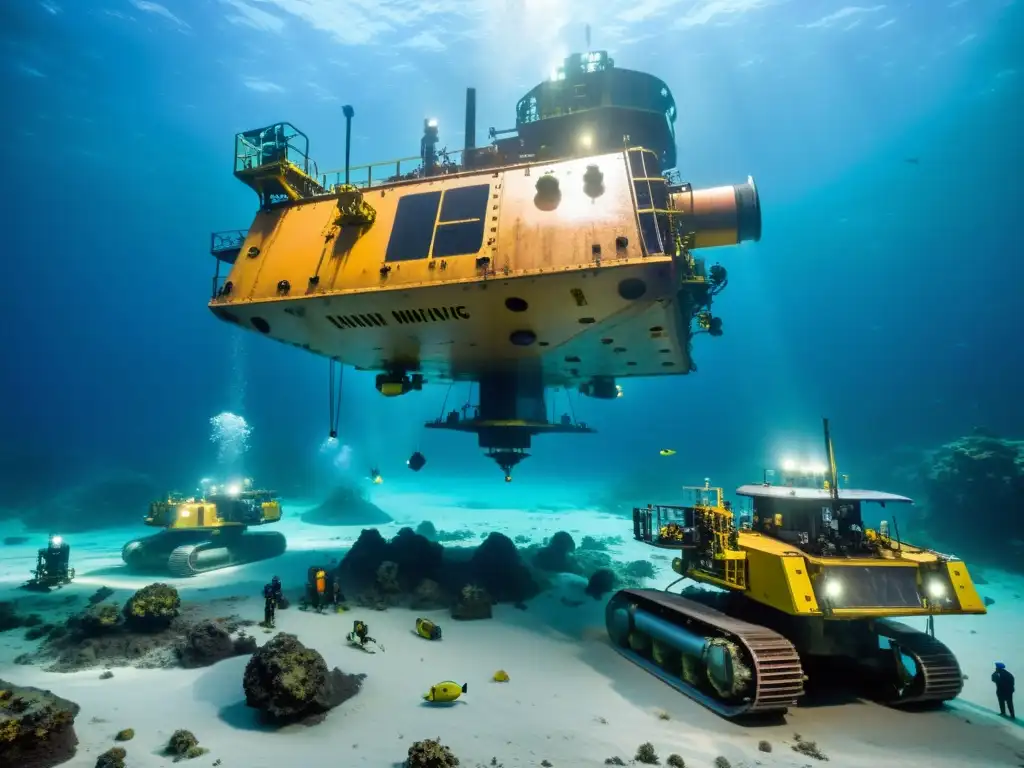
208, 642
346, 505
37, 727
148, 631
413, 571
288, 682
979, 478
472, 603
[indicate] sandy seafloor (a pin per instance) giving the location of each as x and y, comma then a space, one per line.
572, 700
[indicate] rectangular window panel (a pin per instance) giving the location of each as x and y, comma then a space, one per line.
458, 239
414, 227
465, 203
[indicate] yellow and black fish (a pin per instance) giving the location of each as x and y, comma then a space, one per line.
667, 452
428, 629
445, 692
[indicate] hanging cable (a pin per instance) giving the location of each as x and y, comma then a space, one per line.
568, 396
334, 398
444, 404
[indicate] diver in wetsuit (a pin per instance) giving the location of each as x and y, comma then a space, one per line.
269, 605
1004, 689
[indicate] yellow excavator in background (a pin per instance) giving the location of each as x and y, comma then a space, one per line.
806, 592
208, 532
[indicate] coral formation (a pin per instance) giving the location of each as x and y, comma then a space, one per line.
977, 477
288, 682
126, 735
112, 758
675, 761
764, 746
152, 608
183, 745
430, 753
37, 727
208, 642
346, 505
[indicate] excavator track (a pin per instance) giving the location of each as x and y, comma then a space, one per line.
776, 675
937, 677
205, 556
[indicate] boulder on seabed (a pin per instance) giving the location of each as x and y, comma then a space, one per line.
37, 727
208, 642
152, 608
288, 682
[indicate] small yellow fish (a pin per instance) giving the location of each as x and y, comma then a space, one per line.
667, 452
442, 693
377, 480
501, 676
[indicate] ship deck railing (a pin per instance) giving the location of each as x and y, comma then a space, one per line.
225, 247
391, 171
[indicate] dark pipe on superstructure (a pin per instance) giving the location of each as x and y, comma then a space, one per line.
349, 114
470, 144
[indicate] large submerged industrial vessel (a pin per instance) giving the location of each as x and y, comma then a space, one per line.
562, 254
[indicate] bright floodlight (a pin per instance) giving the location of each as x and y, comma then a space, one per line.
432, 123
234, 489
56, 540
586, 140
789, 465
833, 588
936, 589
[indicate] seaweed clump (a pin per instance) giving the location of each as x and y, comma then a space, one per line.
112, 758
152, 608
183, 745
288, 682
37, 727
430, 753
645, 754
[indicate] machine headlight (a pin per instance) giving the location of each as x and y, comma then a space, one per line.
935, 588
234, 489
56, 541
833, 589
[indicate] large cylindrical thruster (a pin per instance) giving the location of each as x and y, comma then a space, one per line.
720, 215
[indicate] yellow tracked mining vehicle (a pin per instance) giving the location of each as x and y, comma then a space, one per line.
807, 592
562, 255
208, 532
